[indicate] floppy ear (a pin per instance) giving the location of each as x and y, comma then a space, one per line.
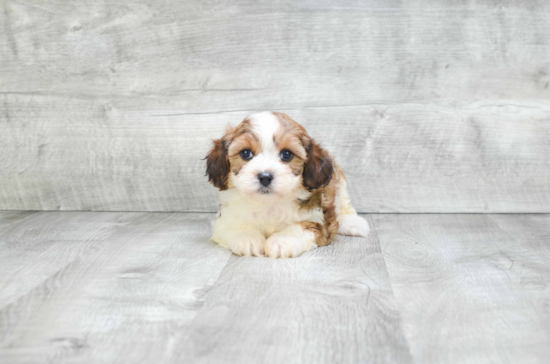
318, 169
217, 164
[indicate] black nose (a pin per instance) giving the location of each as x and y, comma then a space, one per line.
265, 179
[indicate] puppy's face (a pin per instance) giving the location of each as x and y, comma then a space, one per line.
268, 156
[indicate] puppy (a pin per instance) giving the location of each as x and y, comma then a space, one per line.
281, 194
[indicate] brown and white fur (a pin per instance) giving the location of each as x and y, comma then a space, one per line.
304, 204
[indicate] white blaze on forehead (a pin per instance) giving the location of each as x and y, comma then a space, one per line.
266, 125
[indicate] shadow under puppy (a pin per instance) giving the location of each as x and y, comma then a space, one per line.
281, 194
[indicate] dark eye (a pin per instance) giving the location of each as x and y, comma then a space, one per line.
246, 154
287, 155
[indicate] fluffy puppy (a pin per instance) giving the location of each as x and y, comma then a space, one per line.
281, 194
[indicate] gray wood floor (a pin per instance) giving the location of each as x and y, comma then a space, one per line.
92, 287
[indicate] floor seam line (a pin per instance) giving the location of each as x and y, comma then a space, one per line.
397, 306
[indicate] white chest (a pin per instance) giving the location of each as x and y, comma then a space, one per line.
268, 217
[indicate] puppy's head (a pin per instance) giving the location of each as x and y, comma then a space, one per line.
268, 155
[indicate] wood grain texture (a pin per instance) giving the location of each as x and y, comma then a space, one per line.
431, 106
117, 297
331, 305
34, 246
146, 293
471, 288
86, 287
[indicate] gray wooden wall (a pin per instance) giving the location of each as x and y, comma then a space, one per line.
431, 106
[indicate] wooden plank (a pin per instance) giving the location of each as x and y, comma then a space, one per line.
35, 246
408, 158
9, 218
431, 107
142, 287
331, 305
534, 231
299, 53
120, 300
468, 290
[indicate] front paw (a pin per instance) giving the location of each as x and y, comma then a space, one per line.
248, 244
287, 246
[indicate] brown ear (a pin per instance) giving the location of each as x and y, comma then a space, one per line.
318, 169
217, 164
